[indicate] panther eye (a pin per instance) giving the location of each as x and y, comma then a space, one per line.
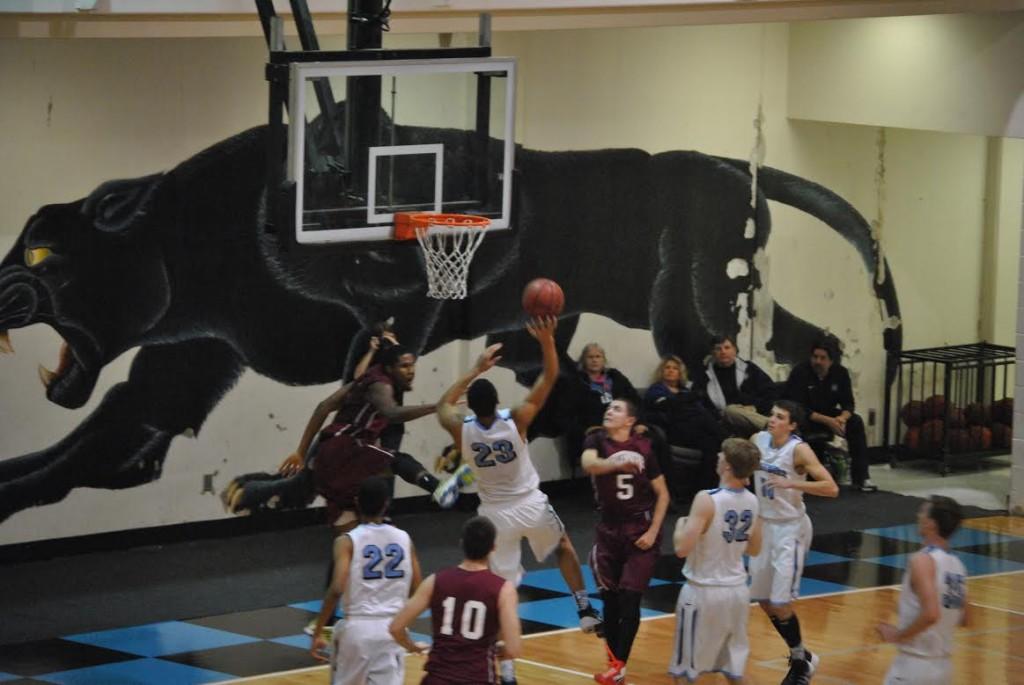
108, 205
34, 256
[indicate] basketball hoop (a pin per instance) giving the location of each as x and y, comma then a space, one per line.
448, 242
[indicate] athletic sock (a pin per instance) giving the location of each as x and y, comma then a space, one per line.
582, 600
427, 482
629, 622
507, 667
789, 629
612, 620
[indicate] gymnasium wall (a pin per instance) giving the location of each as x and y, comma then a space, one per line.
93, 110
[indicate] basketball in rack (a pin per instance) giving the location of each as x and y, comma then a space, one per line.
448, 242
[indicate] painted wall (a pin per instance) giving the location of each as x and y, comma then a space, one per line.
942, 73
96, 110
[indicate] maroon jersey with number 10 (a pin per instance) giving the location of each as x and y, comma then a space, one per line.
464, 615
623, 496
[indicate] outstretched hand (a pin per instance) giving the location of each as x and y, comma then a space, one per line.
542, 327
488, 358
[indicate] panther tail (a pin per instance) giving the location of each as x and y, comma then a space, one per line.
828, 207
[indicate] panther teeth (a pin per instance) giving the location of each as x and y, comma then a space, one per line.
46, 376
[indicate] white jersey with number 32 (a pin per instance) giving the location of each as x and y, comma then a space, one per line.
718, 557
951, 586
778, 504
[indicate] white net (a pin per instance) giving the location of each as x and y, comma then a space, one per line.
447, 251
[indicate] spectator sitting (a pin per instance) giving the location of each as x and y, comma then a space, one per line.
585, 395
738, 389
822, 385
671, 404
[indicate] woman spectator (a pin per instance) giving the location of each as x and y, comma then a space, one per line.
586, 394
673, 405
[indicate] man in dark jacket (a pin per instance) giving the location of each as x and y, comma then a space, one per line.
738, 389
822, 385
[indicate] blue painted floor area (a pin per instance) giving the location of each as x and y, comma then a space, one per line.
243, 644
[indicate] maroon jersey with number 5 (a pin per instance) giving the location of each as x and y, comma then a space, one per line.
622, 496
464, 615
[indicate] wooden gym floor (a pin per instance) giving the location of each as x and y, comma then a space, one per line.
839, 627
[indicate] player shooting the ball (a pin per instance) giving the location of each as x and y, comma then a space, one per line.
494, 442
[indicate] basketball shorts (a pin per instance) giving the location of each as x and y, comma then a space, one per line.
364, 652
711, 631
775, 573
530, 517
342, 463
618, 564
908, 669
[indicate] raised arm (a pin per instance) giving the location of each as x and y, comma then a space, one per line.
447, 414
543, 329
380, 395
294, 461
823, 485
417, 604
342, 562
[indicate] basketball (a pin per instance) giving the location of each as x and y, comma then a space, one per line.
932, 433
912, 439
543, 297
979, 414
913, 413
1002, 435
934, 407
1002, 410
981, 438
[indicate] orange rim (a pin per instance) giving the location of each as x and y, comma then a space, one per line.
407, 223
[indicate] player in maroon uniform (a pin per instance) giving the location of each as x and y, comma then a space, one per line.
349, 450
632, 498
470, 607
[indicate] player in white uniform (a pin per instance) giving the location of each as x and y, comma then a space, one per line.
711, 614
494, 444
781, 483
933, 602
375, 570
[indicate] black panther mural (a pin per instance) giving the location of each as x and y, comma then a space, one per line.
179, 264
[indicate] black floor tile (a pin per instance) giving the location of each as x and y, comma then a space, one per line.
261, 623
855, 573
669, 567
661, 597
254, 658
859, 545
528, 593
1011, 550
49, 656
531, 627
